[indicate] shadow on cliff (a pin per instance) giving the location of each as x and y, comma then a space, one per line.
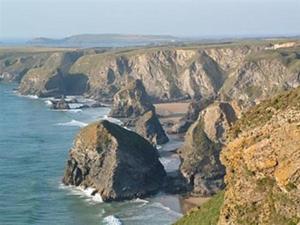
75, 84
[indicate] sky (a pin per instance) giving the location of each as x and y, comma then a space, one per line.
25, 19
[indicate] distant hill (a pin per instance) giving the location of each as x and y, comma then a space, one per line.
104, 40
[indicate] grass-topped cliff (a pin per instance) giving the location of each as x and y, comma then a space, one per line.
262, 160
246, 71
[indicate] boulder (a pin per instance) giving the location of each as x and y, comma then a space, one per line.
117, 163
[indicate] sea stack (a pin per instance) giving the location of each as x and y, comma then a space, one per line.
200, 152
133, 105
117, 163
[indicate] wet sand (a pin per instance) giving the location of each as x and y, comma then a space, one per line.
189, 202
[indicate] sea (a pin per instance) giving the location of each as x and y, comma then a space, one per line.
34, 145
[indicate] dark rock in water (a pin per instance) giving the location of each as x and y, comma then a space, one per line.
83, 107
195, 107
61, 104
201, 150
98, 105
132, 101
149, 127
133, 105
116, 162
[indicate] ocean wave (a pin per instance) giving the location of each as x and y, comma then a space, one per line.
48, 102
161, 206
83, 193
112, 220
73, 123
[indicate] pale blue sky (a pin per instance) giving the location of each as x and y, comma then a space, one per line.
198, 18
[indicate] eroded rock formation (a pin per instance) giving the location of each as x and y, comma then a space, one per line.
201, 150
133, 104
117, 163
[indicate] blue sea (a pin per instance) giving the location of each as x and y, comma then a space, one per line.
34, 145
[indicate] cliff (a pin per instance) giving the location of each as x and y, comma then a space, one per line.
245, 72
262, 163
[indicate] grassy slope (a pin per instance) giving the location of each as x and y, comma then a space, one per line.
263, 112
206, 214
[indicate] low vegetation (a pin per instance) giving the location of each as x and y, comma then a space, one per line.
206, 214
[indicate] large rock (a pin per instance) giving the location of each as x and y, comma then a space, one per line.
117, 163
201, 150
133, 105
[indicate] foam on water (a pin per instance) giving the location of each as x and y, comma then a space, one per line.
83, 193
160, 205
75, 105
112, 220
73, 123
48, 102
32, 96
170, 163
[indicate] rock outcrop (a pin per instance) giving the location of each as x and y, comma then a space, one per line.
148, 126
201, 150
117, 163
263, 165
61, 104
133, 105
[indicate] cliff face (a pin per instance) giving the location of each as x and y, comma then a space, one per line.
51, 78
117, 163
263, 165
13, 66
201, 150
246, 73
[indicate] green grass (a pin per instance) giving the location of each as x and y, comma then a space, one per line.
207, 214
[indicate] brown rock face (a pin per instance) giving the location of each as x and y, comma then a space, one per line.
263, 165
201, 150
117, 163
133, 105
131, 102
